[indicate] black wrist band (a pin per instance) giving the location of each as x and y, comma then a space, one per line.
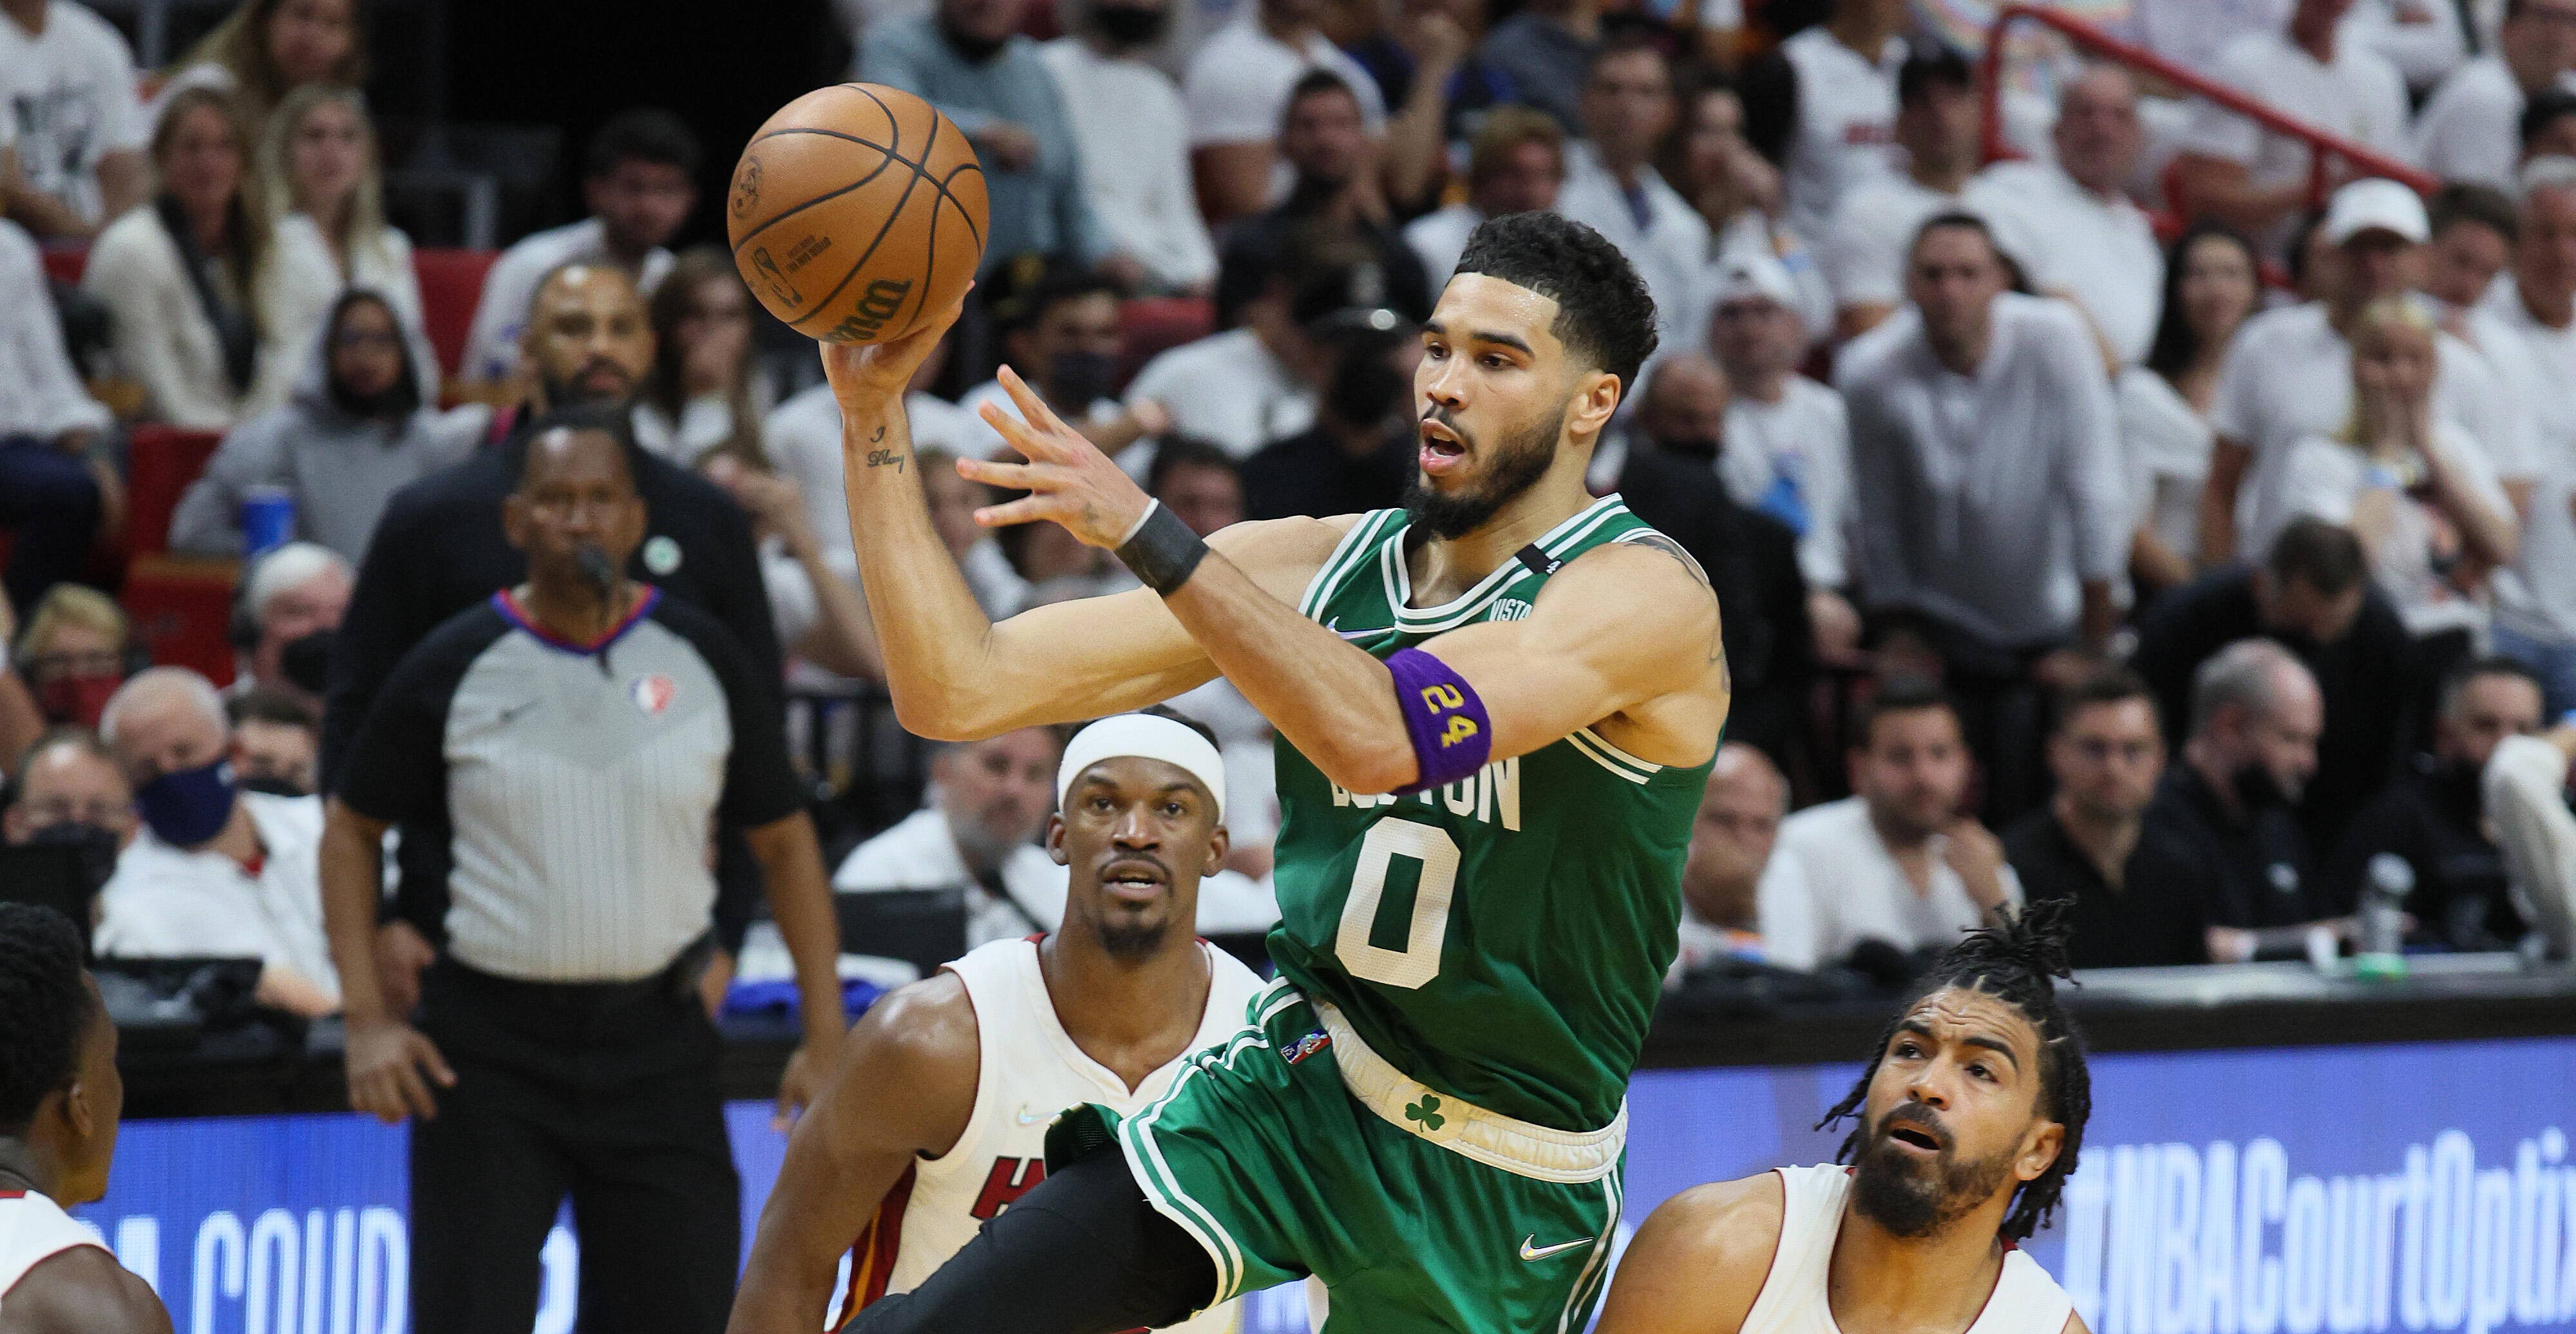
1162, 552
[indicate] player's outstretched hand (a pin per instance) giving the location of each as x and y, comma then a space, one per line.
865, 376
1068, 479
390, 1068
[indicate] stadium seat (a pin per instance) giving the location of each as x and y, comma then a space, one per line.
180, 609
163, 461
451, 284
1152, 324
65, 264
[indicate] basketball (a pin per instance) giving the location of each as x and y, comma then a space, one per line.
857, 211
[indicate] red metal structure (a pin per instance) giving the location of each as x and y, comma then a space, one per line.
2324, 146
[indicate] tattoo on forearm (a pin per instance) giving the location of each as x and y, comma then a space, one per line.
887, 458
880, 435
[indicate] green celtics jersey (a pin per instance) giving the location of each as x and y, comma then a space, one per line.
1504, 937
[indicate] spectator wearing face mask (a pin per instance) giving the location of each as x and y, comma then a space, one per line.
1132, 138
325, 201
72, 653
638, 181
66, 789
1516, 166
1360, 452
216, 870
2432, 816
276, 742
1060, 334
2232, 802
356, 430
292, 602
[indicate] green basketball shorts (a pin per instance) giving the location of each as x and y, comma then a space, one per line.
1295, 1149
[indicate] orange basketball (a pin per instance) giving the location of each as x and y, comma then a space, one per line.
857, 211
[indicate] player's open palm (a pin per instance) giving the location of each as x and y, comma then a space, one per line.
1068, 479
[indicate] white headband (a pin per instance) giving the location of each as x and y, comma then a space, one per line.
1144, 736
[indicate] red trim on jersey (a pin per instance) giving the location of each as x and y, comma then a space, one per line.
507, 603
12, 1194
872, 1255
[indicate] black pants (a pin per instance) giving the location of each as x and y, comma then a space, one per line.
52, 502
606, 1093
1083, 1253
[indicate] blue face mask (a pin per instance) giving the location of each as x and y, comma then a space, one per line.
189, 807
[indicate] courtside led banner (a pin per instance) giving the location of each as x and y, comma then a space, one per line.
2341, 1189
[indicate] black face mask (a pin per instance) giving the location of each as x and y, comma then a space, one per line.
306, 660
1131, 25
1364, 389
1080, 379
274, 785
2256, 791
97, 846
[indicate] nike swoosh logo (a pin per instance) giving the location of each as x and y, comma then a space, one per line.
1531, 1252
1029, 1118
1335, 625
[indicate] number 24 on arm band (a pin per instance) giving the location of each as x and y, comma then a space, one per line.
1445, 721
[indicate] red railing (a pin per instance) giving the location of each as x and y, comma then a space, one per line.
2324, 145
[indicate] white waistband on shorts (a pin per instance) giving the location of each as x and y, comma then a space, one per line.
1537, 1152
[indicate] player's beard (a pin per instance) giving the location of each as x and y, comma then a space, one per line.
1517, 462
1911, 1198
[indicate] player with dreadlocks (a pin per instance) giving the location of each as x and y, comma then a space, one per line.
1970, 1116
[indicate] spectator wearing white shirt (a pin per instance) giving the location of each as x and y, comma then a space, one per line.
2421, 39
1060, 334
2473, 229
1898, 861
2237, 171
1612, 187
1324, 141
49, 495
1737, 194
178, 274
1516, 166
639, 182
2070, 225
2422, 497
1132, 138
327, 234
1249, 386
978, 831
76, 129
697, 398
2548, 127
1732, 836
1865, 246
2289, 375
803, 437
215, 871
1823, 107
1237, 91
1992, 515
2471, 129
1787, 450
2213, 282
2535, 614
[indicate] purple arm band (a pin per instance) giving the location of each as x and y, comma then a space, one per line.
1443, 718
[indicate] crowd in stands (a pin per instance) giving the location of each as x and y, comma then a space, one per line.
2099, 512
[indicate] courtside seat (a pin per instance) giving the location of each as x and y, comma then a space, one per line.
451, 284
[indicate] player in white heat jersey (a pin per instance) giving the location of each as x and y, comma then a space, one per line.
1971, 1115
937, 1116
60, 1098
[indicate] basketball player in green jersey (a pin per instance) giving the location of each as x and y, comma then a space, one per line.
1496, 709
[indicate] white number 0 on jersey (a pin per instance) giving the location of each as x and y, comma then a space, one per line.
1419, 961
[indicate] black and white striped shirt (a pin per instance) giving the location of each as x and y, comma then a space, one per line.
574, 786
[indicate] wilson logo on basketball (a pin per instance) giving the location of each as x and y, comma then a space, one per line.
653, 693
884, 298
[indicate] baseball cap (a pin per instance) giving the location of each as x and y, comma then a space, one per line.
1345, 299
2379, 205
1752, 273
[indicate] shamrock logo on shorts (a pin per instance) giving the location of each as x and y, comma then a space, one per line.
1426, 1111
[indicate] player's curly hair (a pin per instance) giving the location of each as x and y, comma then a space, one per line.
43, 1007
1603, 313
2015, 963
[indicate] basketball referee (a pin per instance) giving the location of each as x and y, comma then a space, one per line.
573, 741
